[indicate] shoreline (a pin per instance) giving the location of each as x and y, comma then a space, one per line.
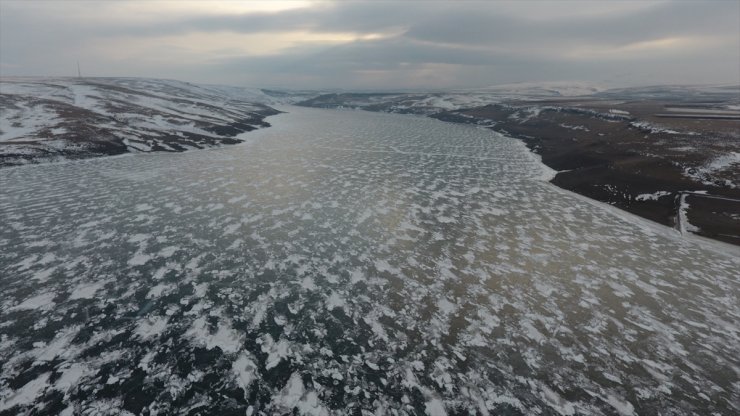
63, 156
622, 171
560, 180
718, 246
615, 146
549, 174
76, 158
60, 119
614, 149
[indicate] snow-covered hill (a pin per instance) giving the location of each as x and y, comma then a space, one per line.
52, 118
544, 89
429, 103
404, 103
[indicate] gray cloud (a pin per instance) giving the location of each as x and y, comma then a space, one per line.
485, 26
467, 43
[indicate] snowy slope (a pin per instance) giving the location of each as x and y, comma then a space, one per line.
404, 103
50, 118
545, 89
435, 102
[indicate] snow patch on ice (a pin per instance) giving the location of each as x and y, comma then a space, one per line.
225, 337
245, 371
43, 301
86, 290
28, 393
151, 327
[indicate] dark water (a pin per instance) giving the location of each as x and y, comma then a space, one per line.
351, 263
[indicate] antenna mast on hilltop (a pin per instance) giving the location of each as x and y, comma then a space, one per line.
79, 74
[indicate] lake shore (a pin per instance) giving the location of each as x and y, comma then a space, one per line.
667, 170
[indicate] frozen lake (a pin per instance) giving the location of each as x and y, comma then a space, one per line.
345, 261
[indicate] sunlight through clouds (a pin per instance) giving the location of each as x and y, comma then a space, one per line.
205, 46
376, 44
158, 10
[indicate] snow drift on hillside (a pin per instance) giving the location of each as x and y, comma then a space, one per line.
46, 118
546, 89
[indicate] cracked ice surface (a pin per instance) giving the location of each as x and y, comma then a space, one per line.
345, 261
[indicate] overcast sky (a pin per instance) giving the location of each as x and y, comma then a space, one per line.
376, 45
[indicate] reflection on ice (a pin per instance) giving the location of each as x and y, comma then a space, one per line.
344, 261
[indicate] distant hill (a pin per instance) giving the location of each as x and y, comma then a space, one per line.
544, 89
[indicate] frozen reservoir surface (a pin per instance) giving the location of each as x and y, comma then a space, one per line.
346, 262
